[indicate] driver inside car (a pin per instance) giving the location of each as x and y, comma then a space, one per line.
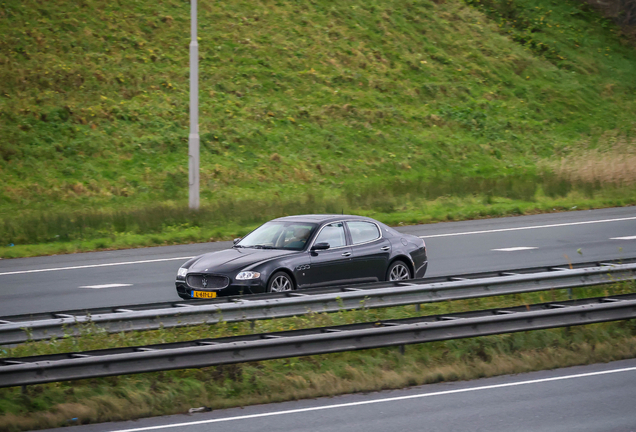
299, 238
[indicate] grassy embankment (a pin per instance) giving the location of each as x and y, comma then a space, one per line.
411, 111
128, 397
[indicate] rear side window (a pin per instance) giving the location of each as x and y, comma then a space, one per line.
363, 232
333, 234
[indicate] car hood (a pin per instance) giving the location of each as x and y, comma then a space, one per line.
234, 259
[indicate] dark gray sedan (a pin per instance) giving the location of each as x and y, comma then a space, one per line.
297, 252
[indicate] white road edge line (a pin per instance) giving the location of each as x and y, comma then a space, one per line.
514, 249
624, 238
94, 265
115, 285
529, 227
393, 399
430, 236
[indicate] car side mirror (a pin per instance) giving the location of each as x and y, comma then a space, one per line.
320, 246
236, 240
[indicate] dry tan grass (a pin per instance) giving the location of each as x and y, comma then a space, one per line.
611, 164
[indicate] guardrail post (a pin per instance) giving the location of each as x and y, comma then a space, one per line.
402, 349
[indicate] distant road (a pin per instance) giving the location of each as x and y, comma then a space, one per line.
596, 398
116, 278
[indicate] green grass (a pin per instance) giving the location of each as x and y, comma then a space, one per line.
169, 223
125, 398
128, 397
380, 107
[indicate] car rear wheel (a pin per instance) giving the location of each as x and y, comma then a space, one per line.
280, 282
397, 271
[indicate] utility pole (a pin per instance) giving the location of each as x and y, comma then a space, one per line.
193, 139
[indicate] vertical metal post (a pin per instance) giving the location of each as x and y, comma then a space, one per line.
193, 139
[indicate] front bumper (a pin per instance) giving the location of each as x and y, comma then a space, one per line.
253, 286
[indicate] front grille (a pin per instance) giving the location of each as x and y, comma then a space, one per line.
212, 281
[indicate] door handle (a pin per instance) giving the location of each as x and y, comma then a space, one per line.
385, 248
346, 254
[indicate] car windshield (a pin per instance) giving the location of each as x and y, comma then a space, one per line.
279, 235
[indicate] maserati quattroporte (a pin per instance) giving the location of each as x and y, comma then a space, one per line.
297, 252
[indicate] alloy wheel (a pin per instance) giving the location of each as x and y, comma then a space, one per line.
399, 272
281, 283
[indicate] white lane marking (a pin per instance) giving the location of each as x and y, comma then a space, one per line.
393, 399
514, 249
94, 265
105, 286
624, 238
530, 227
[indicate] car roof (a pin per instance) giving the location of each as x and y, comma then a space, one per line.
322, 218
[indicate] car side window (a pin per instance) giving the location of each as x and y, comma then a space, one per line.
363, 232
334, 234
296, 235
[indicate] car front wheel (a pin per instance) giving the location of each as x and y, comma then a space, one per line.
280, 282
398, 271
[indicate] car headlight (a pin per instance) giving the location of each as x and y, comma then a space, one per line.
245, 275
182, 272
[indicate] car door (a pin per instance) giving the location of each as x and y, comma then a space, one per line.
331, 266
370, 251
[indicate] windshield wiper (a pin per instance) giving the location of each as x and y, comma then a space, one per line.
263, 247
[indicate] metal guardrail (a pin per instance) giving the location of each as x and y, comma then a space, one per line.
376, 295
209, 352
40, 316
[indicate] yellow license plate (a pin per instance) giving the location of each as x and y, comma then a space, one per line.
203, 294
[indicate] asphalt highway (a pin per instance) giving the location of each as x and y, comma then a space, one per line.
596, 398
117, 278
